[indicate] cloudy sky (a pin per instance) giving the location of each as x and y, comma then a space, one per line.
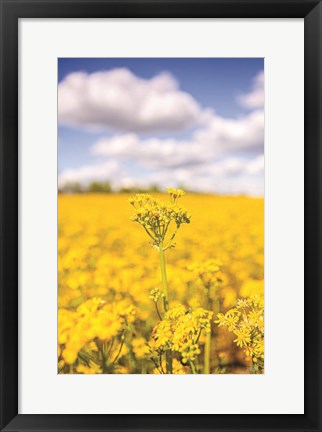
195, 123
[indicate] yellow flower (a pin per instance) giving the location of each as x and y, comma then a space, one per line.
175, 194
243, 337
82, 369
221, 321
180, 331
155, 216
140, 348
231, 321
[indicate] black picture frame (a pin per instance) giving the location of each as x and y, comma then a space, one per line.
11, 11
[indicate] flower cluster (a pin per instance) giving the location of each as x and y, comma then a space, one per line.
246, 321
178, 367
156, 295
93, 335
210, 275
208, 271
175, 194
156, 216
180, 331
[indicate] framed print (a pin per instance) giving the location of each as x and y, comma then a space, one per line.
173, 321
160, 216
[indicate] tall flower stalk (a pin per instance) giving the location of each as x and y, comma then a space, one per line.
207, 353
161, 221
168, 354
209, 274
164, 279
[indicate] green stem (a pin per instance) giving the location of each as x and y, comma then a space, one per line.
161, 367
164, 278
252, 369
193, 369
149, 234
168, 354
158, 312
207, 354
168, 361
120, 349
216, 309
207, 350
171, 239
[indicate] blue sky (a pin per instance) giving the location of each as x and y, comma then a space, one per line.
194, 122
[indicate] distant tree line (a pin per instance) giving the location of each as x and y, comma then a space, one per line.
103, 187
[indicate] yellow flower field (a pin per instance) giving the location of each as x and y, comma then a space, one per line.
110, 288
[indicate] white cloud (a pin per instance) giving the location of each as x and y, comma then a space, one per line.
119, 100
231, 175
85, 174
256, 166
210, 176
228, 176
256, 97
218, 138
228, 135
224, 155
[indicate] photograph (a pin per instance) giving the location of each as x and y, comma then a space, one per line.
160, 215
